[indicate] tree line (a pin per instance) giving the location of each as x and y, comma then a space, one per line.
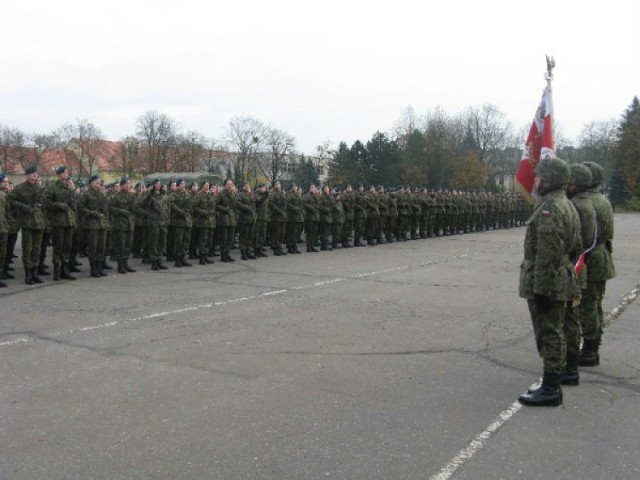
476, 149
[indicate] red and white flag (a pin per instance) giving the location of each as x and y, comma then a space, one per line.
538, 146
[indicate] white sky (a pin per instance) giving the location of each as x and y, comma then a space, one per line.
322, 70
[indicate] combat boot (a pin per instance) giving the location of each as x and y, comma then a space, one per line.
36, 278
295, 250
127, 267
161, 265
29, 277
100, 270
4, 274
548, 395
243, 254
184, 262
42, 270
94, 271
570, 374
154, 265
202, 260
56, 272
177, 263
2, 284
73, 266
229, 257
250, 254
121, 268
105, 266
64, 274
589, 356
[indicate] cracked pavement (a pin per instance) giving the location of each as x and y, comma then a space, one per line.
372, 363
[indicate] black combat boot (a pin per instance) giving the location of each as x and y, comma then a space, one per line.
184, 262
73, 266
548, 395
250, 254
589, 356
56, 272
2, 284
177, 263
100, 269
127, 267
121, 268
223, 257
570, 375
276, 252
94, 271
29, 277
42, 270
36, 278
154, 265
4, 274
105, 266
243, 254
64, 274
161, 265
295, 250
202, 260
229, 257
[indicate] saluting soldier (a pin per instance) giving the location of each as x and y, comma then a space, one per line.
337, 219
278, 218
204, 216
63, 219
28, 200
158, 205
94, 211
348, 208
359, 216
262, 219
123, 222
295, 219
246, 206
325, 209
181, 223
373, 215
392, 215
227, 220
311, 217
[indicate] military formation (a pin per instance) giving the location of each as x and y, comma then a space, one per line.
567, 261
568, 243
178, 223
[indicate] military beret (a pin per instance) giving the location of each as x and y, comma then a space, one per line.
61, 169
93, 177
179, 180
360, 185
192, 184
2, 177
155, 180
261, 185
30, 169
138, 185
124, 180
80, 183
203, 182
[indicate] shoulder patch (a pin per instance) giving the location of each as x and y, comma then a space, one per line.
546, 215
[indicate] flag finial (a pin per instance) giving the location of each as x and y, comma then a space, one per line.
551, 63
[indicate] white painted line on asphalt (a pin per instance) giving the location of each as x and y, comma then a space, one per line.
477, 443
13, 342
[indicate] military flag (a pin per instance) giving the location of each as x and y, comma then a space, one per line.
539, 144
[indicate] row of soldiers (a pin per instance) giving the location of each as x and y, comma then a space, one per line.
184, 223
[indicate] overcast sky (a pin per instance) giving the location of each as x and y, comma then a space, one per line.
323, 70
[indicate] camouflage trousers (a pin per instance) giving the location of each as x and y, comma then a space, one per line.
548, 328
260, 234
62, 238
277, 234
122, 241
203, 239
245, 235
347, 230
358, 229
571, 330
590, 310
156, 241
96, 244
181, 241
226, 236
292, 232
390, 227
336, 232
310, 232
31, 245
4, 241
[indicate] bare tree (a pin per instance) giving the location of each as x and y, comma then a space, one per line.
88, 138
12, 145
245, 135
279, 147
158, 134
129, 155
597, 140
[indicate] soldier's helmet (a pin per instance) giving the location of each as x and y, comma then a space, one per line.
580, 175
554, 170
597, 172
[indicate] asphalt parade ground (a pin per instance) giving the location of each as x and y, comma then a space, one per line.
400, 361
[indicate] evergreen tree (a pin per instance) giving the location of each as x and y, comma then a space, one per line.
628, 149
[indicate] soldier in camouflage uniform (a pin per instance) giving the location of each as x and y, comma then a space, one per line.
325, 209
227, 220
337, 220
4, 228
158, 203
94, 210
600, 268
576, 191
392, 215
204, 222
359, 216
277, 218
123, 222
63, 219
246, 206
262, 219
295, 219
547, 278
348, 208
28, 201
311, 204
181, 223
